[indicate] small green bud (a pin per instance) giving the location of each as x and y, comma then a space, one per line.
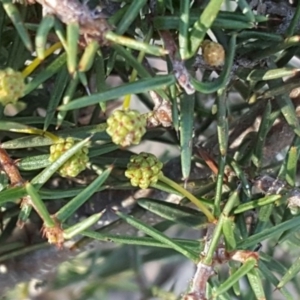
143, 170
12, 86
73, 166
126, 127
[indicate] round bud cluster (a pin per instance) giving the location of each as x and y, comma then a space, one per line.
12, 86
213, 53
74, 165
126, 127
143, 170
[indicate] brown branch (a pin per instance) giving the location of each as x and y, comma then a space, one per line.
9, 167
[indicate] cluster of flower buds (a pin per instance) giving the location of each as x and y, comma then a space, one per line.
143, 169
213, 53
12, 86
126, 127
74, 165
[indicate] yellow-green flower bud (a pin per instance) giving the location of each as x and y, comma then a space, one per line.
12, 86
126, 127
143, 170
213, 53
74, 165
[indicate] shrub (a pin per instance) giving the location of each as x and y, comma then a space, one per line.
215, 82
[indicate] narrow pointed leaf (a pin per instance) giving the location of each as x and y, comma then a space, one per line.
267, 273
221, 22
231, 203
67, 97
261, 136
290, 274
72, 47
114, 93
264, 75
228, 232
292, 161
98, 132
158, 236
204, 22
186, 126
24, 213
33, 162
12, 194
59, 194
42, 35
256, 283
222, 123
216, 282
81, 226
66, 211
184, 29
141, 241
39, 205
257, 203
242, 271
236, 287
287, 107
132, 61
135, 45
219, 185
264, 217
88, 56
60, 33
246, 10
56, 95
51, 69
173, 212
16, 18
269, 233
101, 85
294, 22
130, 15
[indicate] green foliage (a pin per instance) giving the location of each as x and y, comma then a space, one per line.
234, 205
